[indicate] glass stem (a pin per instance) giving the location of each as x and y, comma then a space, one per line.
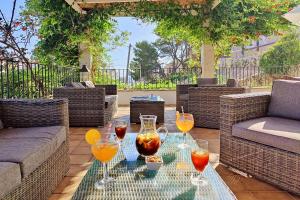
105, 171
184, 138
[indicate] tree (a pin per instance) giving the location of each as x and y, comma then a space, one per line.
15, 36
145, 61
283, 56
62, 30
178, 52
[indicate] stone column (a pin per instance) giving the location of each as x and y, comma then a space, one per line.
85, 57
207, 61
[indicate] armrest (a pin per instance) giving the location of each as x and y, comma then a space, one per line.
241, 107
109, 89
35, 113
183, 89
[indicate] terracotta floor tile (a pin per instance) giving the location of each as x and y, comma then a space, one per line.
81, 151
78, 170
80, 159
296, 197
234, 183
269, 195
67, 196
244, 196
68, 185
252, 184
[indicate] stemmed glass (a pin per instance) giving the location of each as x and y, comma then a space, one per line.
104, 150
120, 129
200, 158
184, 122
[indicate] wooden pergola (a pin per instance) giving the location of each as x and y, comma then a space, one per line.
82, 6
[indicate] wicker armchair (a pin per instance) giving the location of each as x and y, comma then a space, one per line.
203, 102
89, 107
265, 162
39, 113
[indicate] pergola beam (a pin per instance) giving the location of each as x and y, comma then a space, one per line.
75, 6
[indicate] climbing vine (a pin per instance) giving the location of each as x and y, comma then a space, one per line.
232, 22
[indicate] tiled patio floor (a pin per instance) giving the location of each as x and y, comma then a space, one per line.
243, 187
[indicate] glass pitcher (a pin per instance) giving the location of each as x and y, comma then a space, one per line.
148, 140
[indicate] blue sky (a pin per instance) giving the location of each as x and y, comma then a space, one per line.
138, 32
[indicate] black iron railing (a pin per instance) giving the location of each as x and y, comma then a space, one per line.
165, 78
20, 80
250, 74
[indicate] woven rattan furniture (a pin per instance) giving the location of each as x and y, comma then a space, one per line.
147, 105
90, 107
203, 102
134, 181
278, 166
32, 115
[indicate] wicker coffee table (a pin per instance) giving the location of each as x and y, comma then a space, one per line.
147, 105
134, 181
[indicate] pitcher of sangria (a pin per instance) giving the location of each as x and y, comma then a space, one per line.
148, 140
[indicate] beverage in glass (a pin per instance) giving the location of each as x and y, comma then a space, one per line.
200, 159
147, 144
120, 129
104, 150
184, 122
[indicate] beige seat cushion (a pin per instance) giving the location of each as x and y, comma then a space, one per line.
10, 177
276, 132
30, 147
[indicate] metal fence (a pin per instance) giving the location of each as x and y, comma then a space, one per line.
165, 78
250, 74
20, 80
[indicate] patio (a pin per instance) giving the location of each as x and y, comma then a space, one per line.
243, 187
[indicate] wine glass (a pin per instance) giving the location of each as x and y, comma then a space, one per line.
104, 150
200, 158
120, 129
184, 122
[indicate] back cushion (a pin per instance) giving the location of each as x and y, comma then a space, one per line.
76, 85
207, 81
89, 84
285, 99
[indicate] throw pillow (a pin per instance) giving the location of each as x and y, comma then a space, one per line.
285, 99
89, 84
231, 83
77, 85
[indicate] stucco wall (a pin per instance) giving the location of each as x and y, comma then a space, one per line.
168, 95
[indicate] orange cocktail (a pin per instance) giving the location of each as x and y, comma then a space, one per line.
184, 122
104, 147
185, 125
105, 152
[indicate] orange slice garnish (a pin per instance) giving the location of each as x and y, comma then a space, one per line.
92, 136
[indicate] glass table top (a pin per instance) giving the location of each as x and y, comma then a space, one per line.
171, 181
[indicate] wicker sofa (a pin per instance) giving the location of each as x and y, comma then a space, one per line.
34, 153
203, 101
260, 134
89, 107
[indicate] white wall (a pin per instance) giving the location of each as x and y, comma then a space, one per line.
168, 95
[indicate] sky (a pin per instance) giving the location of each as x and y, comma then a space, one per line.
138, 30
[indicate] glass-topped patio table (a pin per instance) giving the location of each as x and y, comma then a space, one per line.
171, 181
